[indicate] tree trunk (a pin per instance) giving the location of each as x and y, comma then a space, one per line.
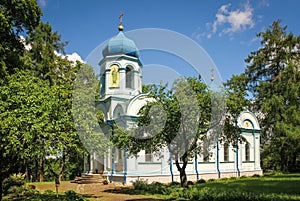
1, 185
62, 167
41, 170
183, 177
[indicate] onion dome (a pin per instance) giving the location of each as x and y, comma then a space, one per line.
120, 44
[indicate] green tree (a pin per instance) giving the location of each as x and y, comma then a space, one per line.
16, 17
180, 118
273, 78
25, 113
88, 120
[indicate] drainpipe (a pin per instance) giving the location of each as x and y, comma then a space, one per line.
254, 148
171, 163
196, 166
125, 150
125, 166
112, 159
237, 160
218, 160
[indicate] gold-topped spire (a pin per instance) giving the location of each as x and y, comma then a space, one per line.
120, 27
212, 74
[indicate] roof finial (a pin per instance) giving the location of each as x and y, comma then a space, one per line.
120, 27
212, 74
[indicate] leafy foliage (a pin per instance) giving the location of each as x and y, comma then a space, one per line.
273, 77
187, 119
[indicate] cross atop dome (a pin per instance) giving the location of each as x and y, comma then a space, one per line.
120, 27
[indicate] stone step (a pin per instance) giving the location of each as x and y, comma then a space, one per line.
89, 179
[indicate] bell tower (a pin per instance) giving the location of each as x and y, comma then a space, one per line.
120, 74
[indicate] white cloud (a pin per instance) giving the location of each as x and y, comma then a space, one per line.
237, 20
74, 57
228, 21
71, 57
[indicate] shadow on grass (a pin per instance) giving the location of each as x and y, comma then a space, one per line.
124, 190
280, 186
91, 195
131, 191
144, 199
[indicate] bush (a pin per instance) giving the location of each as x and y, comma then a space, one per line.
15, 180
72, 195
201, 181
211, 180
243, 177
49, 192
140, 185
30, 192
174, 183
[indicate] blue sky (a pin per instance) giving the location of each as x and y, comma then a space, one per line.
226, 30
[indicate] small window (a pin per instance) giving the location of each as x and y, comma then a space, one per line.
129, 77
247, 151
226, 152
148, 155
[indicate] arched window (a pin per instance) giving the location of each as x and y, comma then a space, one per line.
226, 152
129, 77
247, 151
118, 111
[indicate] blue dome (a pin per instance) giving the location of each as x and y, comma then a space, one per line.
120, 44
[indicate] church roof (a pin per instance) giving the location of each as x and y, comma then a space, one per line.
120, 44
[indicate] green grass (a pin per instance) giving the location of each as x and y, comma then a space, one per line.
279, 187
277, 184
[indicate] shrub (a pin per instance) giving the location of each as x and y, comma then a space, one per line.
49, 192
211, 180
30, 192
15, 189
16, 180
190, 183
140, 185
174, 183
201, 181
243, 177
224, 179
72, 195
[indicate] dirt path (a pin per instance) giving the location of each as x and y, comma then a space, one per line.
97, 192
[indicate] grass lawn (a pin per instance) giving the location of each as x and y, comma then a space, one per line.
277, 184
279, 187
270, 187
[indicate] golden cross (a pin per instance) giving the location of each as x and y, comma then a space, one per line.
120, 17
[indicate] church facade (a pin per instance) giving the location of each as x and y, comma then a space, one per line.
122, 98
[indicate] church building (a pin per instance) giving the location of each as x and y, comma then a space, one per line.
122, 98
